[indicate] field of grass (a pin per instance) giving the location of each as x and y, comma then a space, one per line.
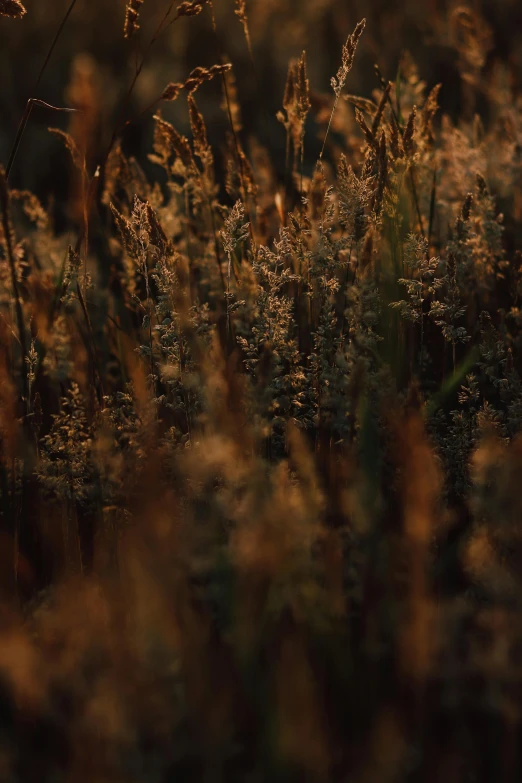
260, 392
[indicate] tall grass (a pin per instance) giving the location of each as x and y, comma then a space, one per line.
260, 446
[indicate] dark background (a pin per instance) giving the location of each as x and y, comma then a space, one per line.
92, 52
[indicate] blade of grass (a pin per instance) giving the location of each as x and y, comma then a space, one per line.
450, 386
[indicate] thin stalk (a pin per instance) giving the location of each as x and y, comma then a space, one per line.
91, 344
216, 243
144, 269
301, 163
432, 205
412, 180
8, 237
260, 92
139, 68
345, 295
228, 294
120, 125
55, 41
23, 124
416, 202
287, 171
329, 125
240, 163
31, 101
232, 127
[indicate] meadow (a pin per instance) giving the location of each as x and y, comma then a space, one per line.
260, 392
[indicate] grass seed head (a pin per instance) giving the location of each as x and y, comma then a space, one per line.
12, 8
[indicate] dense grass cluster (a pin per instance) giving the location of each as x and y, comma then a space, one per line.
260, 438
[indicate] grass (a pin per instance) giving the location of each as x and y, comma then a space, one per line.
260, 443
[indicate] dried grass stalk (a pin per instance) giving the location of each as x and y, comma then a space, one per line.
132, 15
338, 81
